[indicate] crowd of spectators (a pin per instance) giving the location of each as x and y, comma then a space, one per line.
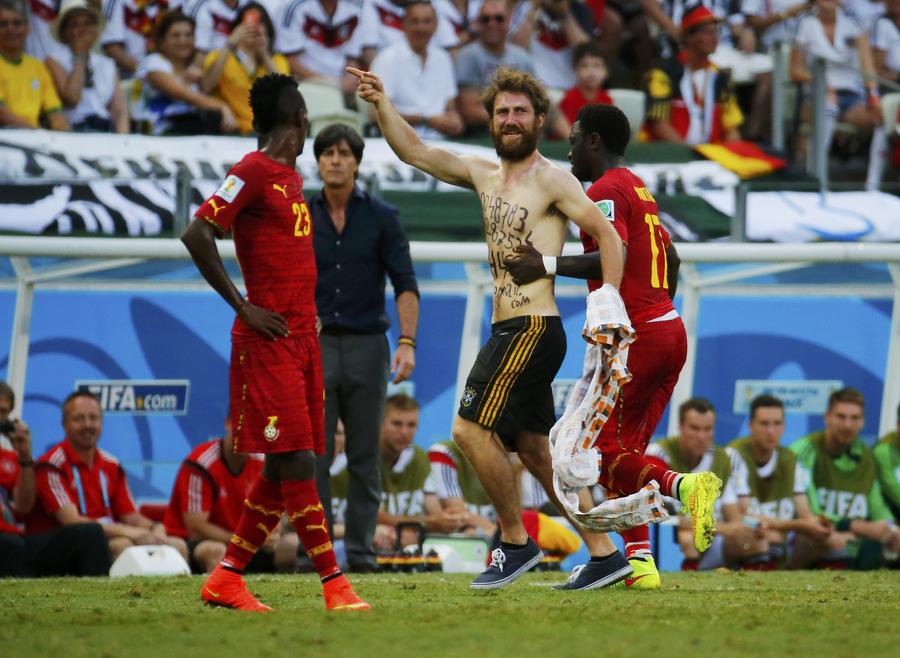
185, 66
825, 500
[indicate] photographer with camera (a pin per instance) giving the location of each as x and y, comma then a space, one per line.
17, 488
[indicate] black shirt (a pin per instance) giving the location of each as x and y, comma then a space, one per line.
352, 265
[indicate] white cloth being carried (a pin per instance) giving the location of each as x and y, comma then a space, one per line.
576, 463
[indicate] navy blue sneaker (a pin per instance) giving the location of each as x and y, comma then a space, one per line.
507, 565
595, 575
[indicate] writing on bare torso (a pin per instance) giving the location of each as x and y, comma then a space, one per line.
519, 211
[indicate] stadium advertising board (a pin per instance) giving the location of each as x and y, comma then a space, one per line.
799, 397
140, 397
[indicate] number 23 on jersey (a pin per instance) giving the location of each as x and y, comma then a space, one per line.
303, 223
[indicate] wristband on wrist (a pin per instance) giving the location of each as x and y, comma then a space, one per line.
549, 264
843, 525
407, 340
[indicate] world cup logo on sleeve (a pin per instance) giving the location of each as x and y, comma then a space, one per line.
270, 433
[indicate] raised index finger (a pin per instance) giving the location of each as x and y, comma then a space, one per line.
352, 70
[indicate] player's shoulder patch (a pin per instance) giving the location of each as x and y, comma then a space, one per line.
608, 208
230, 188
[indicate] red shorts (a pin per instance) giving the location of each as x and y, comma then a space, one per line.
655, 360
277, 395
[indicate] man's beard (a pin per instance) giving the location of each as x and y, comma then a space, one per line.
525, 146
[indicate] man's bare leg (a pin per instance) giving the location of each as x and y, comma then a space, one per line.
533, 449
483, 450
607, 566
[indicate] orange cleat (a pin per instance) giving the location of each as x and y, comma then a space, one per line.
339, 595
227, 589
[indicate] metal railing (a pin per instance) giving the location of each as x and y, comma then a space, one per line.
817, 162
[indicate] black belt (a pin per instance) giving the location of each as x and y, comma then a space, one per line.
333, 330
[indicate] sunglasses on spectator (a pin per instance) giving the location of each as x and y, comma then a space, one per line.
487, 18
16, 22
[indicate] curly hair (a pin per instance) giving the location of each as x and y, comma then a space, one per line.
609, 122
275, 100
518, 82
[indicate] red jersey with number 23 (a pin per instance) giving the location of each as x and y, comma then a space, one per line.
625, 201
261, 202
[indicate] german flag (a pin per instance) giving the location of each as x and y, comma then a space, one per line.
746, 159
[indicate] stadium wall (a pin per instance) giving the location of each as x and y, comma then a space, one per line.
171, 348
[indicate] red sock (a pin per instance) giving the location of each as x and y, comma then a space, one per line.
626, 472
263, 508
637, 542
305, 511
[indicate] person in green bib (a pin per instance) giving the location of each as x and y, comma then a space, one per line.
777, 483
406, 492
844, 487
887, 461
693, 451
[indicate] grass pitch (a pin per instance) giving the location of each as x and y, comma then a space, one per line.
430, 615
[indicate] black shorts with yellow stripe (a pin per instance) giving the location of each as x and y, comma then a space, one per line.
508, 389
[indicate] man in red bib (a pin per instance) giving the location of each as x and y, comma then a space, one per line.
276, 369
79, 485
208, 500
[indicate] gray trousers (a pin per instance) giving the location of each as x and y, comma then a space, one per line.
355, 369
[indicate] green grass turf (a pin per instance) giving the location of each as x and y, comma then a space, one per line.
708, 614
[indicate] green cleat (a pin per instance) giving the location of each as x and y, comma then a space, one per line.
698, 493
644, 574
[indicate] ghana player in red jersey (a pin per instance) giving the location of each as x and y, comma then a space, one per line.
598, 140
276, 370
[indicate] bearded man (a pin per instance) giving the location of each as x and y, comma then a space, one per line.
507, 404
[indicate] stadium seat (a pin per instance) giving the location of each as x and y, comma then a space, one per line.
633, 104
325, 104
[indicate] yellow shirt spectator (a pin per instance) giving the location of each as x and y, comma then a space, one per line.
235, 82
27, 90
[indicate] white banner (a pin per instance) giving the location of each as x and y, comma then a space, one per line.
59, 155
61, 183
814, 217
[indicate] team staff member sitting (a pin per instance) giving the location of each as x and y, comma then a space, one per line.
74, 550
77, 482
887, 458
844, 487
207, 501
776, 483
692, 451
405, 479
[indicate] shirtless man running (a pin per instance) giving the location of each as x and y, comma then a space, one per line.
507, 404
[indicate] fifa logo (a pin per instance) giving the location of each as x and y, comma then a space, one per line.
270, 433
